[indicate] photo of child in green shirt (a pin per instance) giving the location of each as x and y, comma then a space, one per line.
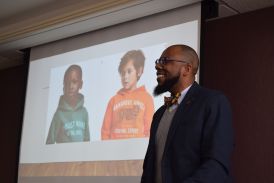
70, 121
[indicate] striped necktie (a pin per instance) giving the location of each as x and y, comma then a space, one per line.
173, 99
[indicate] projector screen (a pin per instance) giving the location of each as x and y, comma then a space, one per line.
88, 110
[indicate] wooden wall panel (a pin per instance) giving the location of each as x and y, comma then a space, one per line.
239, 60
96, 168
12, 96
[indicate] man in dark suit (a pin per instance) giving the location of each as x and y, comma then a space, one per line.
191, 136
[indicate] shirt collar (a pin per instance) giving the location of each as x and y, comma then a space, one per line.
183, 94
180, 99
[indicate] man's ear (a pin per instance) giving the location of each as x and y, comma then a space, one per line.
187, 69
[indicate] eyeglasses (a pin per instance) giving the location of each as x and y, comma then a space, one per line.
165, 60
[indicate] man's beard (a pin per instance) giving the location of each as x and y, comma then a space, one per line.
166, 86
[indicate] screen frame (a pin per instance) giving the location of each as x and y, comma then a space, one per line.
55, 48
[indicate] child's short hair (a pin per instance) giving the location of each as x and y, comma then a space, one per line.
76, 68
138, 58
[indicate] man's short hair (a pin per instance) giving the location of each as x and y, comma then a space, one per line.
191, 55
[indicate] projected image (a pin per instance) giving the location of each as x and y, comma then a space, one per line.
105, 99
70, 121
129, 111
117, 105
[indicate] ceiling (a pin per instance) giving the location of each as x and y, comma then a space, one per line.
27, 23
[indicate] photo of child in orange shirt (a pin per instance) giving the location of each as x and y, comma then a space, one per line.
129, 112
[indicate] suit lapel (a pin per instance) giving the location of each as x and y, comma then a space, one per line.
180, 113
157, 119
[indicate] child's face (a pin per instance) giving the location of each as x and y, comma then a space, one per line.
73, 82
129, 76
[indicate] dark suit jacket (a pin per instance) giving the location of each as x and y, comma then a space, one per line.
199, 141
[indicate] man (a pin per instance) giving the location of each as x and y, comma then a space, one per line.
191, 136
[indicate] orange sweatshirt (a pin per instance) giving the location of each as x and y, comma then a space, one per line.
128, 115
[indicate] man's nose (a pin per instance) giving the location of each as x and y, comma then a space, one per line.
158, 66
